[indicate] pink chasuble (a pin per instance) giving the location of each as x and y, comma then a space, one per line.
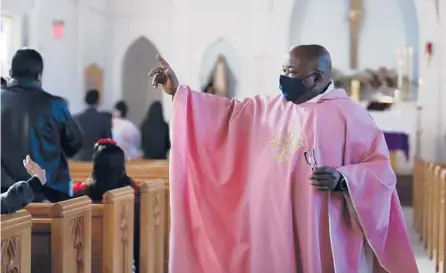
241, 199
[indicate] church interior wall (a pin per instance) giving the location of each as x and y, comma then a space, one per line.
442, 83
135, 89
85, 40
260, 33
430, 98
382, 32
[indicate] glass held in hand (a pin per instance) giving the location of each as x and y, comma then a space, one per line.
310, 157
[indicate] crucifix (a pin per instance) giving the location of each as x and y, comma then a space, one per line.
354, 17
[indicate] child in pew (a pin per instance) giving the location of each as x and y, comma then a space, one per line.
22, 193
108, 173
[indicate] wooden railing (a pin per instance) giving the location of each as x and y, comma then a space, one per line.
429, 208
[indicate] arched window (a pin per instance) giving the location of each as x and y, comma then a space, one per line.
5, 44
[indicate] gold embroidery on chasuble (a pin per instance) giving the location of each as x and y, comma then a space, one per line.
289, 145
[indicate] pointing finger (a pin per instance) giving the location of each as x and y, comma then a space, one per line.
155, 71
162, 62
157, 80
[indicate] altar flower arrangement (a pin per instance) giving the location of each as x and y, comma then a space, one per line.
370, 79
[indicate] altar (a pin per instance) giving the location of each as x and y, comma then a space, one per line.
399, 125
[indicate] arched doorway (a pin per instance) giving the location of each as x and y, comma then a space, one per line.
219, 69
136, 88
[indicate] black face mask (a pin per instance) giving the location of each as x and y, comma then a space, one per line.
293, 88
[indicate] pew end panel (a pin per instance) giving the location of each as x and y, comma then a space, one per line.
16, 242
441, 261
152, 226
118, 229
97, 225
62, 236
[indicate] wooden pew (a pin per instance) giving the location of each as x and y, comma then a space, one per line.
440, 242
418, 180
140, 171
433, 230
16, 242
112, 232
427, 192
61, 236
152, 227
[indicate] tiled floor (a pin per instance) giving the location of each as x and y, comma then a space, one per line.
424, 264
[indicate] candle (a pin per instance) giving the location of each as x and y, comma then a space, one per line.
409, 71
396, 96
399, 68
355, 89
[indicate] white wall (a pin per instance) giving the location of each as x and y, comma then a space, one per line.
259, 32
15, 10
86, 39
252, 28
383, 30
431, 95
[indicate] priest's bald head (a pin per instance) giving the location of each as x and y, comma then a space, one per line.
306, 73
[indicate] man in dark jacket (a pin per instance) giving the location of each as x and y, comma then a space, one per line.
38, 124
94, 125
4, 83
22, 193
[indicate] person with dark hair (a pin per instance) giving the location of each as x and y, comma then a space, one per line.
126, 134
109, 173
120, 109
155, 133
94, 124
4, 83
38, 124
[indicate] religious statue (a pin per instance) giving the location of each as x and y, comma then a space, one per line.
355, 17
218, 83
94, 77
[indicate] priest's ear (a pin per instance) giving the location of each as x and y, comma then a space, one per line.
318, 78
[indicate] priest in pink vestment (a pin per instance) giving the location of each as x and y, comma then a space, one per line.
298, 182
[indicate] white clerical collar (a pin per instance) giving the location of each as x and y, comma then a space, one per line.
318, 97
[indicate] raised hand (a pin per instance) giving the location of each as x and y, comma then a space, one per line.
165, 76
34, 169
